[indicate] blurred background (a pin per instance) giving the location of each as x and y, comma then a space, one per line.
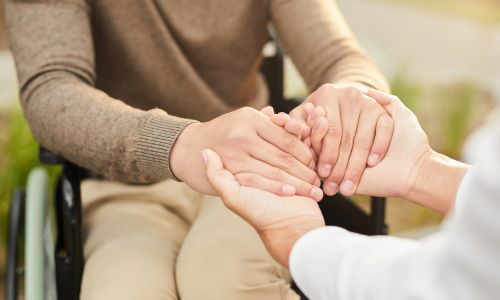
442, 58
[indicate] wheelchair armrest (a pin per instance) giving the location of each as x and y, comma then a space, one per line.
48, 157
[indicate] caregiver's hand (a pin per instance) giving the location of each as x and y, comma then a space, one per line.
280, 221
359, 134
411, 169
259, 153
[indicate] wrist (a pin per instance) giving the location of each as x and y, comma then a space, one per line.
181, 150
280, 244
436, 181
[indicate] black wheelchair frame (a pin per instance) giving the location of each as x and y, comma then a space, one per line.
337, 210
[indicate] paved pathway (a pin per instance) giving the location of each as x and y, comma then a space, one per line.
432, 47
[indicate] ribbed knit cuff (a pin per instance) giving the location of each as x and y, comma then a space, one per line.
155, 143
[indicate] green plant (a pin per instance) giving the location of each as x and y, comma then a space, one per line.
458, 103
407, 90
19, 155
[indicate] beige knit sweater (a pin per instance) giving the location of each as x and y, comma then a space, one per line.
110, 84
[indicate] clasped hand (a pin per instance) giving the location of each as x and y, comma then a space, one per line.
281, 221
333, 136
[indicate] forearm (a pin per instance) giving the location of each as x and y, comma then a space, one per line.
332, 263
436, 182
97, 132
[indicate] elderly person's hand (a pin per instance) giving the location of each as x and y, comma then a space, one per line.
279, 221
411, 169
358, 134
259, 154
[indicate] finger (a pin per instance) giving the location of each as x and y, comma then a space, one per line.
331, 142
268, 111
361, 148
221, 179
350, 118
302, 188
307, 109
318, 133
276, 157
382, 98
301, 113
285, 141
291, 125
294, 127
263, 183
383, 137
315, 115
280, 119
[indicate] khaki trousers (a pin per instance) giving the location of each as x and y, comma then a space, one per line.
165, 241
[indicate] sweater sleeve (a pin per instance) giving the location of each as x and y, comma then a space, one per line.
320, 43
53, 49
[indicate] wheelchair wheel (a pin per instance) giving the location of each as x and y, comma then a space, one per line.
39, 263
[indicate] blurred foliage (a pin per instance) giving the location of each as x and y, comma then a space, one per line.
19, 155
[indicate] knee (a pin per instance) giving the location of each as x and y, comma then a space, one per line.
126, 269
216, 273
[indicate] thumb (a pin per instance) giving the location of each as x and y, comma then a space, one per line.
392, 104
223, 182
384, 99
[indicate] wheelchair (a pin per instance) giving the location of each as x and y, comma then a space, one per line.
53, 268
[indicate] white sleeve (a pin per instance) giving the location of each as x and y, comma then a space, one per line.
462, 261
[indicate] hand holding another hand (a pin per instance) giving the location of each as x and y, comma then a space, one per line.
259, 153
358, 134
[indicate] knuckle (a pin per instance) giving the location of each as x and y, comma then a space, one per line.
363, 143
246, 112
346, 144
334, 129
248, 180
237, 139
277, 175
326, 89
352, 93
290, 142
285, 161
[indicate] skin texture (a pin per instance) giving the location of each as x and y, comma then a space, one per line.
259, 153
279, 221
358, 134
411, 169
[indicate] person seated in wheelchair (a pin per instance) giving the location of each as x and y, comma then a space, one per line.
134, 90
460, 261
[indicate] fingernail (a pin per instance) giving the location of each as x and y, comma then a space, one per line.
204, 156
373, 159
316, 193
288, 190
331, 188
325, 170
347, 188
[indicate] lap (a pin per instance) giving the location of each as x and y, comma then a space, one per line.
162, 241
223, 257
133, 235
